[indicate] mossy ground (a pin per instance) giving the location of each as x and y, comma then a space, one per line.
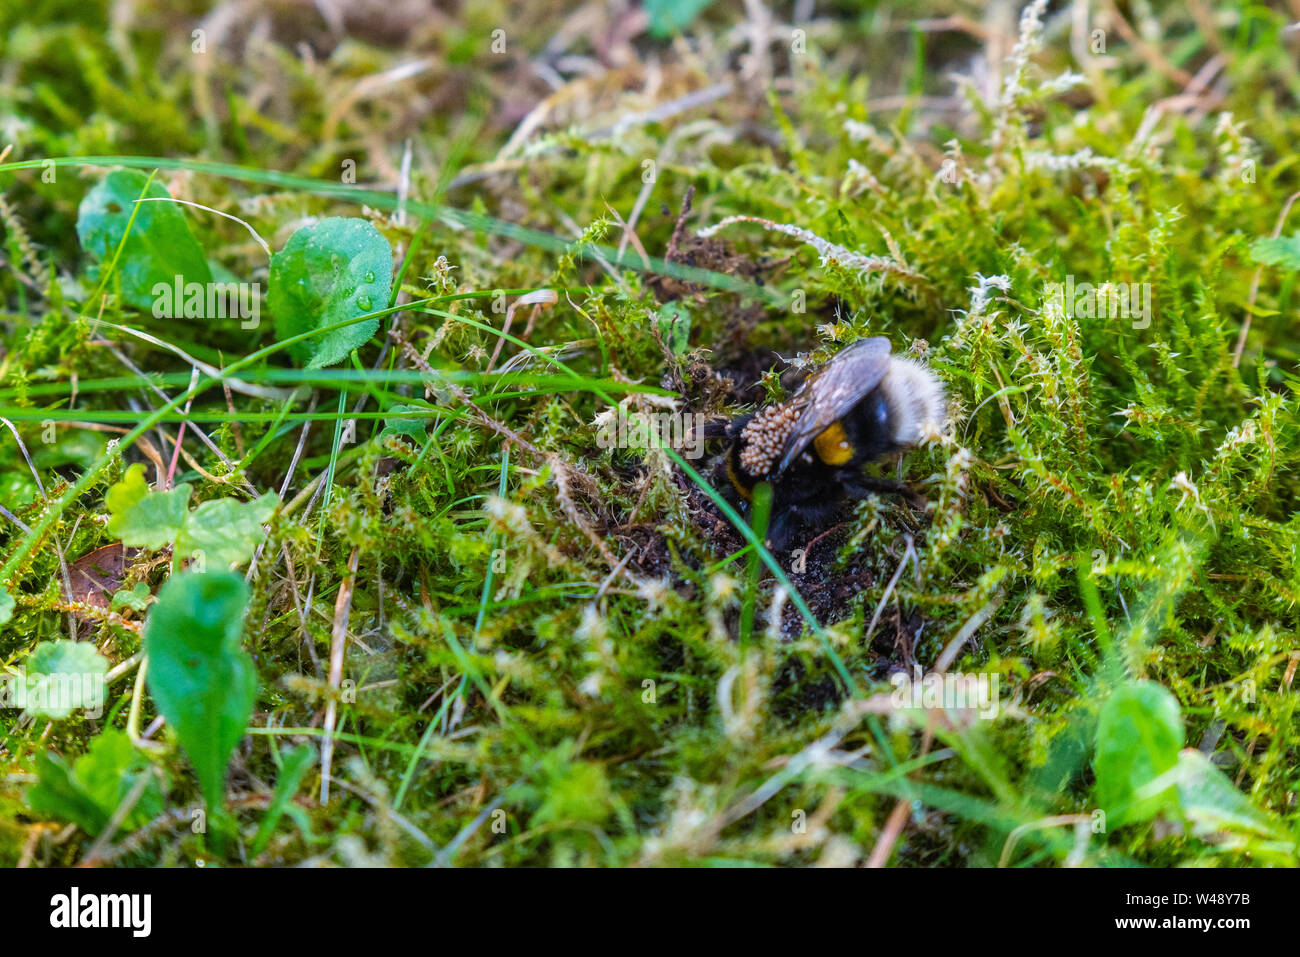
544, 636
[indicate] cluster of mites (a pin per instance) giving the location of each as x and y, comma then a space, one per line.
763, 438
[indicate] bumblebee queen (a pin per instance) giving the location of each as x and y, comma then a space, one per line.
859, 407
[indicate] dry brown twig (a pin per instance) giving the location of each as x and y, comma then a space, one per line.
338, 643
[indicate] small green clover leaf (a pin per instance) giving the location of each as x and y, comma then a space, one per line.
674, 321
89, 792
1281, 251
225, 531
142, 518
135, 598
415, 428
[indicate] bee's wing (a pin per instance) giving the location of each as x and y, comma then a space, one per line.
835, 388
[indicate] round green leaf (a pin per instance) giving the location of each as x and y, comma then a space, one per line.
63, 676
160, 246
329, 272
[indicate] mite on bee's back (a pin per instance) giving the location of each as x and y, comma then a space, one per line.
861, 405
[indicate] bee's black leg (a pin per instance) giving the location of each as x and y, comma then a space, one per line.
807, 518
778, 530
861, 484
720, 428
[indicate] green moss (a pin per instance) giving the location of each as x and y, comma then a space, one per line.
543, 664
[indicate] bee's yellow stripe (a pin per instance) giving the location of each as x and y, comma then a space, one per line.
833, 446
746, 493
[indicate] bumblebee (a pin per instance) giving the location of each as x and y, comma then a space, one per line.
860, 406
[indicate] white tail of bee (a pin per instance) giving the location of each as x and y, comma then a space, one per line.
916, 399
